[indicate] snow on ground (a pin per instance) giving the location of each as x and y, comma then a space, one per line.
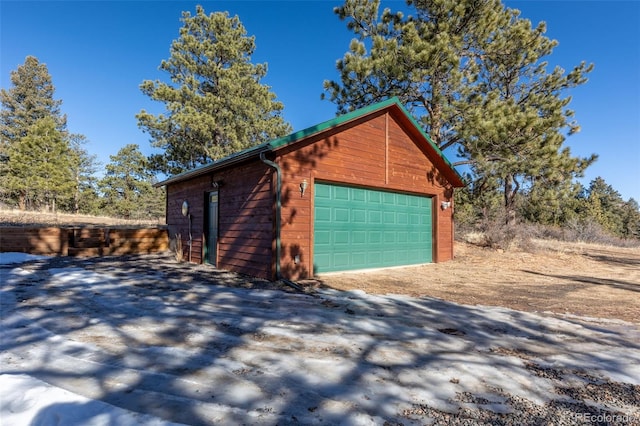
10, 258
92, 346
29, 401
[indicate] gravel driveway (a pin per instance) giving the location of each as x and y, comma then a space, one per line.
193, 345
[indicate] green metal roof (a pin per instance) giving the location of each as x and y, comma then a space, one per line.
206, 168
303, 134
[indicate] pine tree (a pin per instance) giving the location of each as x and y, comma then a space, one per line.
426, 59
515, 124
631, 219
127, 186
474, 74
39, 167
83, 169
605, 206
216, 104
30, 99
553, 203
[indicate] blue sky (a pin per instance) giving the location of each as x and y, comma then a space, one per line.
98, 53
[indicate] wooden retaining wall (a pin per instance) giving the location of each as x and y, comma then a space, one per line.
85, 241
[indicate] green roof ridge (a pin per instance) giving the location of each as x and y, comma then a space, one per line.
334, 122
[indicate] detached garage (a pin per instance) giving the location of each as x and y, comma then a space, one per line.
368, 189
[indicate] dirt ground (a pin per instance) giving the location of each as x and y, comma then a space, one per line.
41, 219
568, 278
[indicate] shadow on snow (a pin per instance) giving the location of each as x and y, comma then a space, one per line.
188, 345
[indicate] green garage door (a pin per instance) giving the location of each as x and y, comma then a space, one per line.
357, 228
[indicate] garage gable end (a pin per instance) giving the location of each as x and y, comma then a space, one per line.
392, 105
402, 117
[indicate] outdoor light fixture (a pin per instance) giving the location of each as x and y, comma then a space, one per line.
445, 205
303, 187
185, 212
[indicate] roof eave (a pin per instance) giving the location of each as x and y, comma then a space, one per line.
332, 123
216, 165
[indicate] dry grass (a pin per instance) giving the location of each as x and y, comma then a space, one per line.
575, 278
41, 219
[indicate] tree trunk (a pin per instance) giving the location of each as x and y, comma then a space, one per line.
22, 201
511, 187
76, 196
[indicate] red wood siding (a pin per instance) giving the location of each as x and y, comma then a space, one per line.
245, 225
246, 228
374, 151
193, 192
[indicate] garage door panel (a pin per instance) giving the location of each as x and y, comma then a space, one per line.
375, 237
341, 215
322, 237
341, 260
323, 214
322, 258
322, 191
359, 237
359, 228
359, 259
374, 216
341, 237
374, 197
389, 257
359, 216
358, 194
374, 257
403, 254
341, 193
389, 218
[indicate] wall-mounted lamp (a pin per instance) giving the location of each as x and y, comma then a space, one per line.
303, 187
216, 183
445, 205
185, 212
